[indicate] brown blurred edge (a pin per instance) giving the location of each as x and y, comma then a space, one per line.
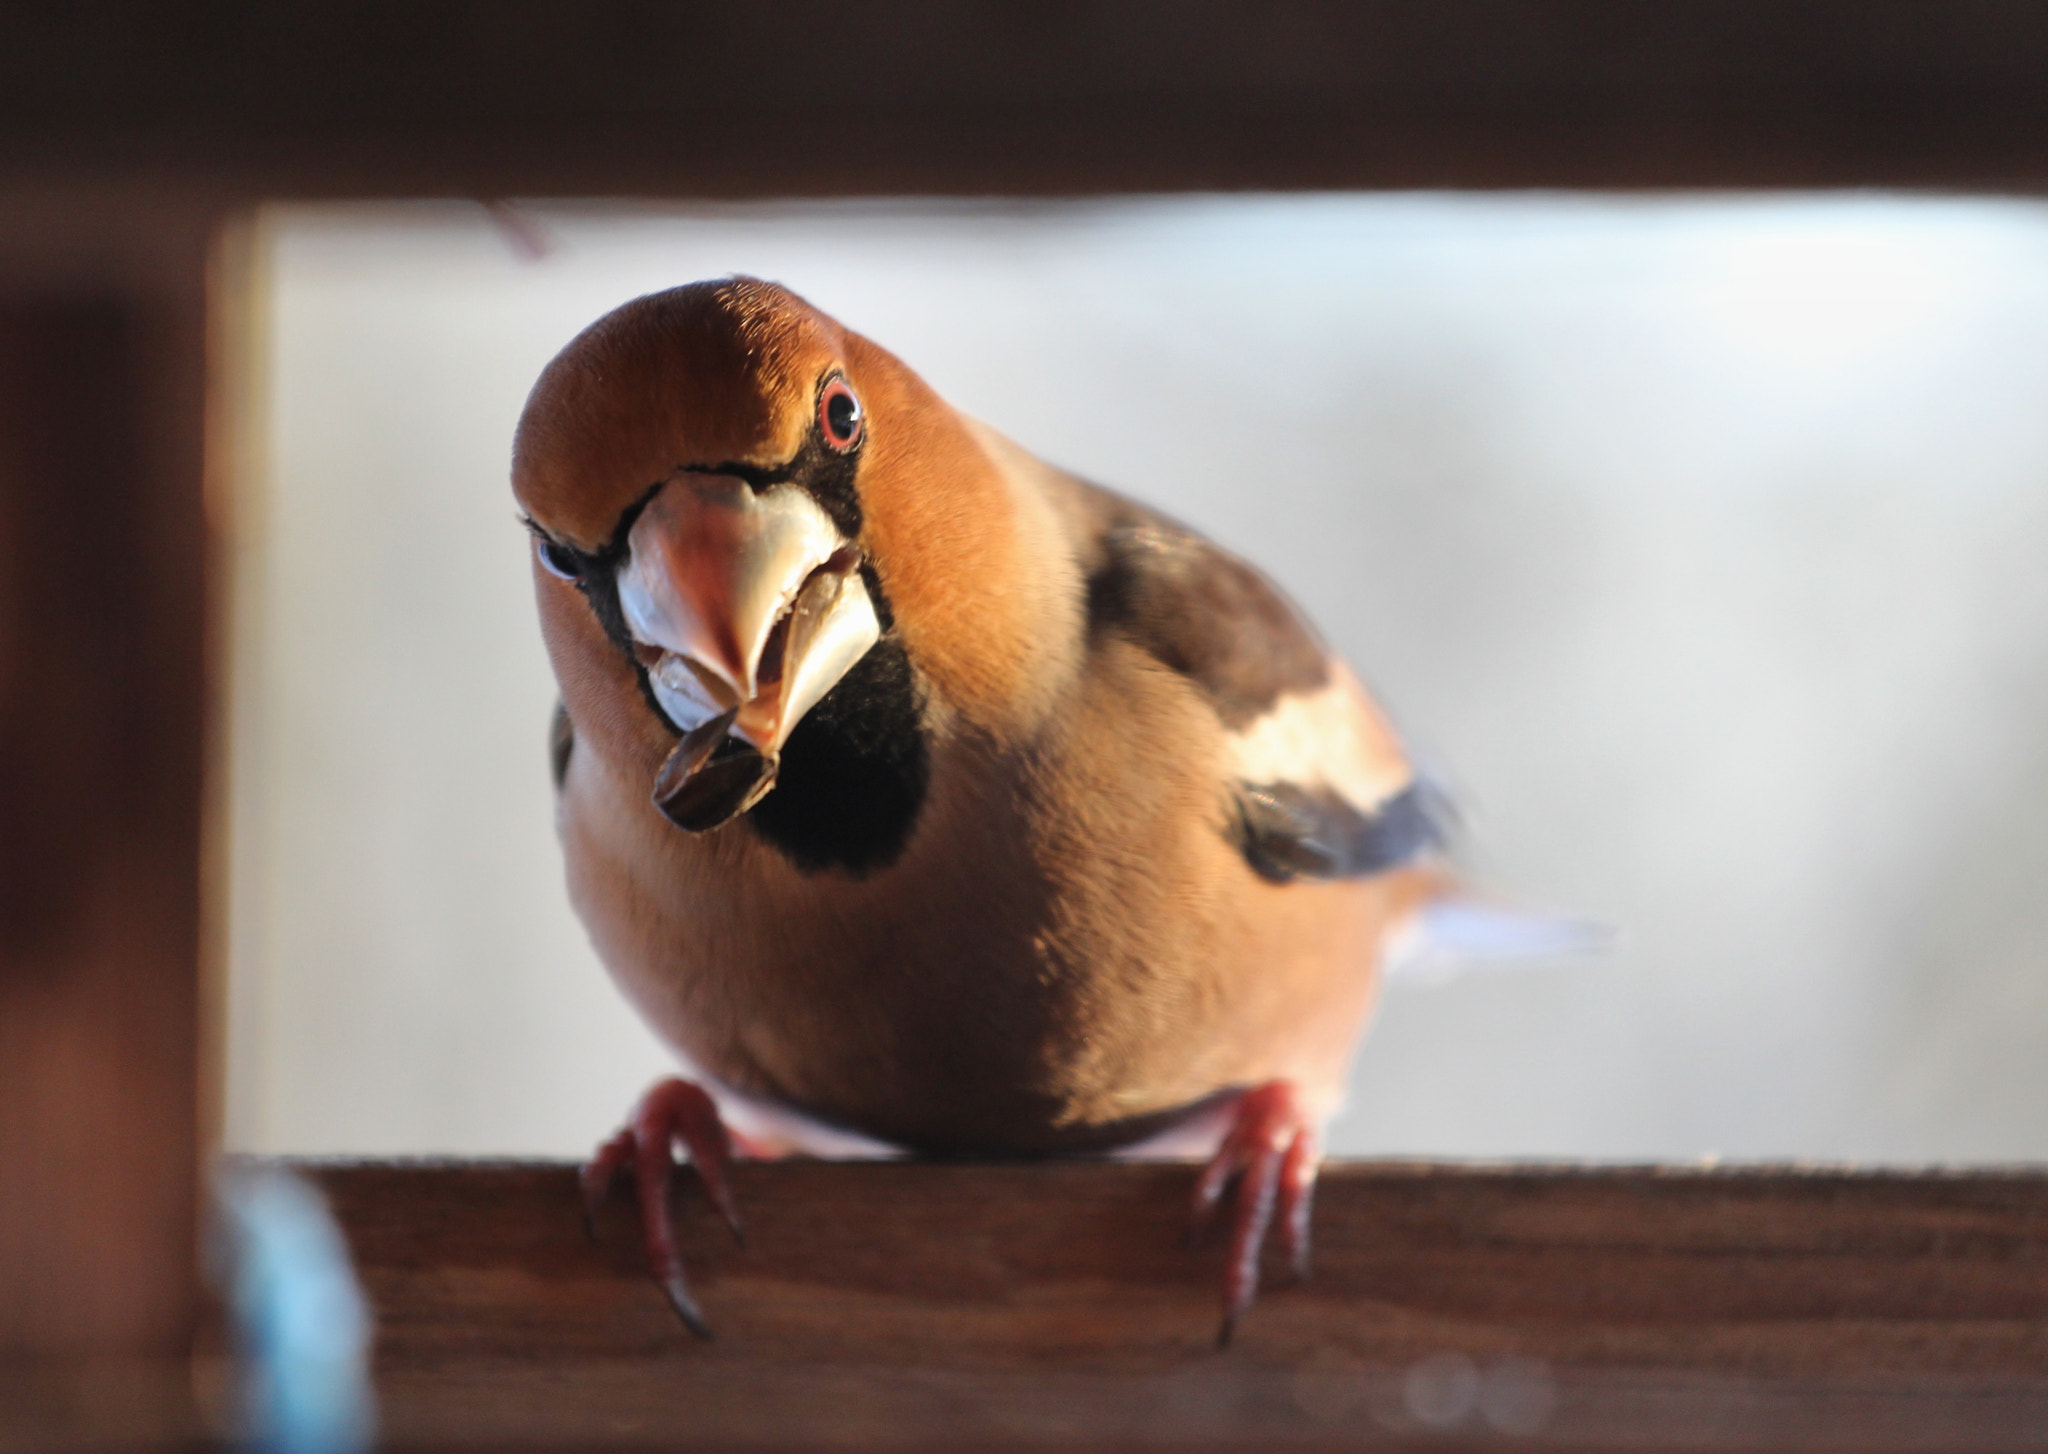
131, 133
836, 97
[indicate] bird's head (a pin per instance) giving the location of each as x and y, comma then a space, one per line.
733, 500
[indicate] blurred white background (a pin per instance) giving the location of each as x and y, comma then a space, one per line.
1702, 543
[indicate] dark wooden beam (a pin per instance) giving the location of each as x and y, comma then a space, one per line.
952, 1306
822, 97
103, 687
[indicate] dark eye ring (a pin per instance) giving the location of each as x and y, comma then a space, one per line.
557, 560
840, 417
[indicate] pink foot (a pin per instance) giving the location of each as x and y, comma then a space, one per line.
671, 1111
1271, 1152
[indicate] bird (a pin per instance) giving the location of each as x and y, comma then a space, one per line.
934, 798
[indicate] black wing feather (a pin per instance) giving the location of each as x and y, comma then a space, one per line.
1289, 832
561, 742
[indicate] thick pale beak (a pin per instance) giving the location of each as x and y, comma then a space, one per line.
746, 608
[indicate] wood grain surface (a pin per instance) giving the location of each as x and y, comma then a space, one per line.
1012, 1306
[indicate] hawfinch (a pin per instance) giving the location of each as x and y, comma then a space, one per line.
935, 797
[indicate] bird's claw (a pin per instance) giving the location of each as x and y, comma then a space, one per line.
671, 1111
1270, 1153
686, 1306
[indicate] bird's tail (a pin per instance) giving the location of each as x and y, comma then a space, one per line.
1456, 933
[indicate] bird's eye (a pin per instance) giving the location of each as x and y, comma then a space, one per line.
839, 416
558, 560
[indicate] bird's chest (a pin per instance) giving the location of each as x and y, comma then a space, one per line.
896, 1001
993, 989
1067, 945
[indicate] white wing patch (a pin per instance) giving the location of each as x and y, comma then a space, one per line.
1333, 737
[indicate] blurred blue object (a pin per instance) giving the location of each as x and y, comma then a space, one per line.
301, 1321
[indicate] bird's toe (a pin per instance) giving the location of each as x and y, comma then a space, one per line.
1269, 1155
672, 1111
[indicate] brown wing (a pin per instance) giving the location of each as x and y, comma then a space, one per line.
1321, 788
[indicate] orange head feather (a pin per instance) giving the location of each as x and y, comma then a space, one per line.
727, 373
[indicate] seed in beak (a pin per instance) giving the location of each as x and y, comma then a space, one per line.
686, 685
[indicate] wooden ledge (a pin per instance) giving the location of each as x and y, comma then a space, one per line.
967, 1306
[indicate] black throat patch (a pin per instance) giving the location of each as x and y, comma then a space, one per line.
854, 772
